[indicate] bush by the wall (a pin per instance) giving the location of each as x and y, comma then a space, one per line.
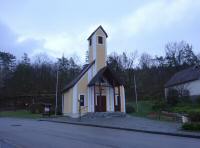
159, 105
194, 116
172, 96
36, 108
197, 100
191, 126
130, 108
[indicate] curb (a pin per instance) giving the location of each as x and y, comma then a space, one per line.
126, 129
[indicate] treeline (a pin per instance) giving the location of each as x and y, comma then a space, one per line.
25, 81
23, 77
151, 73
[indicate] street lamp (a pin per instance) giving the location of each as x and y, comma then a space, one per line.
136, 97
56, 106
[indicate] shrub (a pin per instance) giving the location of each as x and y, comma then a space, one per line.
159, 105
197, 100
181, 109
172, 96
194, 116
191, 126
130, 108
36, 108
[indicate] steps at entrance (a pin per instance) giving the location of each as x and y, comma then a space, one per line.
104, 115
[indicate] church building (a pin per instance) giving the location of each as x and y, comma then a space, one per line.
96, 88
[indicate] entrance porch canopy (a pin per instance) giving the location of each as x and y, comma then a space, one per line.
105, 73
105, 78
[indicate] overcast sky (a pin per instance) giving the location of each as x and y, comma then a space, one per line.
57, 27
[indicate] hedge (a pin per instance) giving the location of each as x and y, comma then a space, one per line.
191, 126
130, 108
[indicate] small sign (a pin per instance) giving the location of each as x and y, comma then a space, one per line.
46, 109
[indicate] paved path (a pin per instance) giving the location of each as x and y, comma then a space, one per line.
131, 122
35, 134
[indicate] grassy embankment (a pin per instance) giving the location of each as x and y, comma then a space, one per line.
145, 110
20, 114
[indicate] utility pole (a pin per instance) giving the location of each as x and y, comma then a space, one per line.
136, 99
56, 106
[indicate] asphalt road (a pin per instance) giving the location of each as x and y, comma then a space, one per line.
40, 134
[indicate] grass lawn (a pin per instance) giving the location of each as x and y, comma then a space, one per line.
185, 108
144, 108
20, 114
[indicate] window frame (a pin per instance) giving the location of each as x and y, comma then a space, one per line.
98, 37
83, 99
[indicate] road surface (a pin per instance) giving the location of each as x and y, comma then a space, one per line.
23, 133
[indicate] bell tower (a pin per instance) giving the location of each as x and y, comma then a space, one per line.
97, 48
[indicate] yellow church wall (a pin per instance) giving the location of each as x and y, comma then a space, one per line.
122, 98
100, 50
82, 89
68, 97
100, 59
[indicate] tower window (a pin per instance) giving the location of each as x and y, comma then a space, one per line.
90, 42
100, 39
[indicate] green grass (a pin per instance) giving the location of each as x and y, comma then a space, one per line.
185, 108
144, 108
20, 114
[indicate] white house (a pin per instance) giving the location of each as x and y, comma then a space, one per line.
188, 79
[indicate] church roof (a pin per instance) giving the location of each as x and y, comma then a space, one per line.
105, 72
100, 27
76, 79
184, 76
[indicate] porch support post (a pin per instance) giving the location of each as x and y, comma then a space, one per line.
119, 104
114, 95
94, 99
100, 94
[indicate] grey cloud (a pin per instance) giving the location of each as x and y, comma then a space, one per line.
9, 43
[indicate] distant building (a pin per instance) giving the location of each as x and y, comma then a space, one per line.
185, 80
96, 88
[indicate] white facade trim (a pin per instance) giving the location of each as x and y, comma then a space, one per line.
92, 98
124, 100
108, 99
75, 100
105, 50
94, 47
111, 98
63, 103
89, 99
89, 89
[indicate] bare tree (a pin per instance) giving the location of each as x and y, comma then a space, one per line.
145, 61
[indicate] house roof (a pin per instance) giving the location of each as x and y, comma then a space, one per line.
105, 72
76, 79
100, 27
184, 76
